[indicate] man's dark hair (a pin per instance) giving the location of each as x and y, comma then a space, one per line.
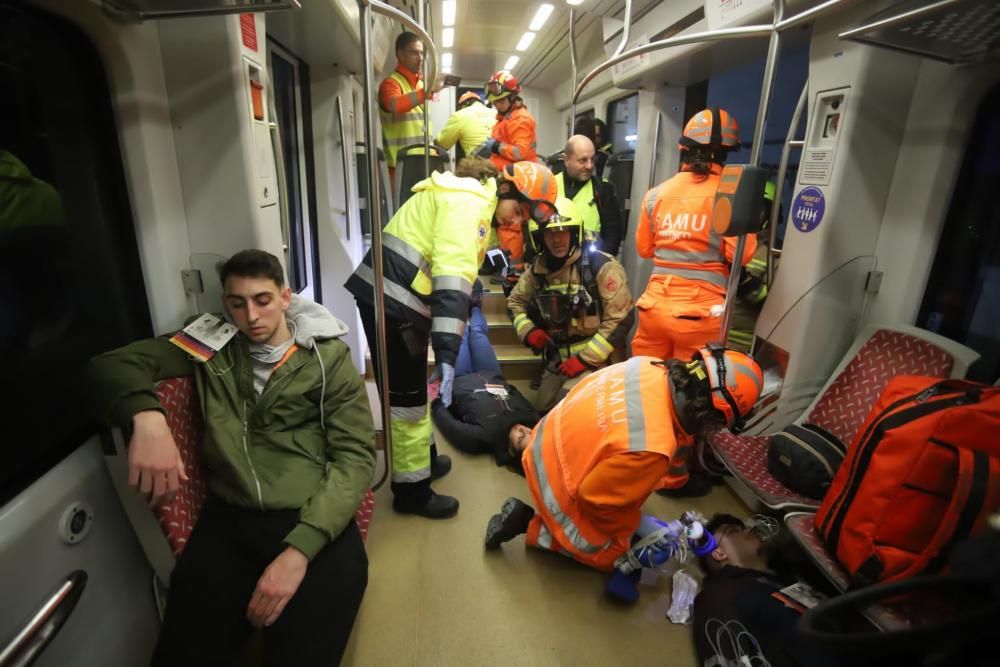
698, 410
708, 566
253, 264
405, 39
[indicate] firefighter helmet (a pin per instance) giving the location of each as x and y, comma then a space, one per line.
567, 217
735, 381
714, 129
501, 85
533, 183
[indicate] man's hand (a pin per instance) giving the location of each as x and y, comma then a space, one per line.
572, 367
276, 587
537, 340
155, 468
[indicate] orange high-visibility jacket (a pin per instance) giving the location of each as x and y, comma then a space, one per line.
516, 134
596, 457
675, 229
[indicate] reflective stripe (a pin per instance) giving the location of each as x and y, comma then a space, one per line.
692, 274
690, 256
633, 405
400, 142
515, 153
413, 414
600, 345
448, 325
544, 537
456, 283
407, 252
569, 528
744, 370
410, 477
394, 291
522, 323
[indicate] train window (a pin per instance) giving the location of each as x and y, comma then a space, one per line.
71, 283
288, 82
963, 291
623, 122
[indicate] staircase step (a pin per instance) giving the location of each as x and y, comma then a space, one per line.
494, 303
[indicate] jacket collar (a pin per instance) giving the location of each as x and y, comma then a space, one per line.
539, 269
411, 77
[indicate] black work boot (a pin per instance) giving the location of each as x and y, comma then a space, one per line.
512, 521
440, 466
435, 507
698, 485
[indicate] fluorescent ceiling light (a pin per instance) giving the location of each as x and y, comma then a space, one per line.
525, 41
574, 3
511, 63
448, 8
448, 38
446, 60
631, 137
541, 16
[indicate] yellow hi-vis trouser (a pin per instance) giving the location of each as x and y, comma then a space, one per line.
411, 433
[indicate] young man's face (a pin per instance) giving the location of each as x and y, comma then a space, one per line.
740, 545
257, 306
518, 438
412, 56
511, 212
502, 105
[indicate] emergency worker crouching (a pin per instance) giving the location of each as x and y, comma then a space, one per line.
571, 306
593, 460
682, 306
432, 249
511, 140
469, 126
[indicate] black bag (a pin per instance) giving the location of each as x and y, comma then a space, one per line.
805, 458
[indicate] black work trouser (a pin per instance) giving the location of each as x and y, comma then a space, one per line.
211, 586
406, 354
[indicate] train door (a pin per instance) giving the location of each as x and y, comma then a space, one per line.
290, 95
71, 286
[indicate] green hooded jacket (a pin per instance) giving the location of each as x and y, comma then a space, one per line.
307, 442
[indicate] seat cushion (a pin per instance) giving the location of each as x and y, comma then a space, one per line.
746, 458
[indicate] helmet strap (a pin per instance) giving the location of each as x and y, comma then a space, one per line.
719, 354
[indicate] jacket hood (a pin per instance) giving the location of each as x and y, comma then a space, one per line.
11, 167
312, 322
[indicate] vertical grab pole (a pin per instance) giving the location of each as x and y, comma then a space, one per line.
772, 252
767, 86
375, 213
572, 63
425, 13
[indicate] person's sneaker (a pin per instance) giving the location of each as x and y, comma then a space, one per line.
512, 521
440, 466
437, 507
476, 298
698, 485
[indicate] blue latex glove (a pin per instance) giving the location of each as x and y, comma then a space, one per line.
445, 373
487, 148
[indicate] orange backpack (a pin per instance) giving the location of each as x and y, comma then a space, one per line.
922, 474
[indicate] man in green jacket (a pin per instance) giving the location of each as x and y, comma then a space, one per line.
289, 454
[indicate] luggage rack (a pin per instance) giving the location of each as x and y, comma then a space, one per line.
958, 32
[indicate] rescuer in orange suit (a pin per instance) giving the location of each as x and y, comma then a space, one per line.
595, 458
512, 140
682, 306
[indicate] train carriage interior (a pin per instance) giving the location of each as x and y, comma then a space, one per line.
160, 137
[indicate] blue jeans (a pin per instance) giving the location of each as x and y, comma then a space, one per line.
476, 354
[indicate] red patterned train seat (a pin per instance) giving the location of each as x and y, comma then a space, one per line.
877, 356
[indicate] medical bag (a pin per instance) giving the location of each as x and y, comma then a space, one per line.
922, 474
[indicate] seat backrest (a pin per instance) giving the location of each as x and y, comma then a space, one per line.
886, 352
410, 168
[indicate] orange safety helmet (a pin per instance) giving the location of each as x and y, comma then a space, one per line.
500, 85
468, 97
735, 380
714, 129
533, 183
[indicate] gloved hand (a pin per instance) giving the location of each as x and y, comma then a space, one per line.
488, 148
572, 367
538, 340
445, 373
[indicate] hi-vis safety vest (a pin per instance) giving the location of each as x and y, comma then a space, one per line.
470, 127
586, 204
675, 229
402, 129
432, 249
621, 409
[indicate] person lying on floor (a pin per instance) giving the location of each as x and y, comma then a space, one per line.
746, 591
487, 414
595, 458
